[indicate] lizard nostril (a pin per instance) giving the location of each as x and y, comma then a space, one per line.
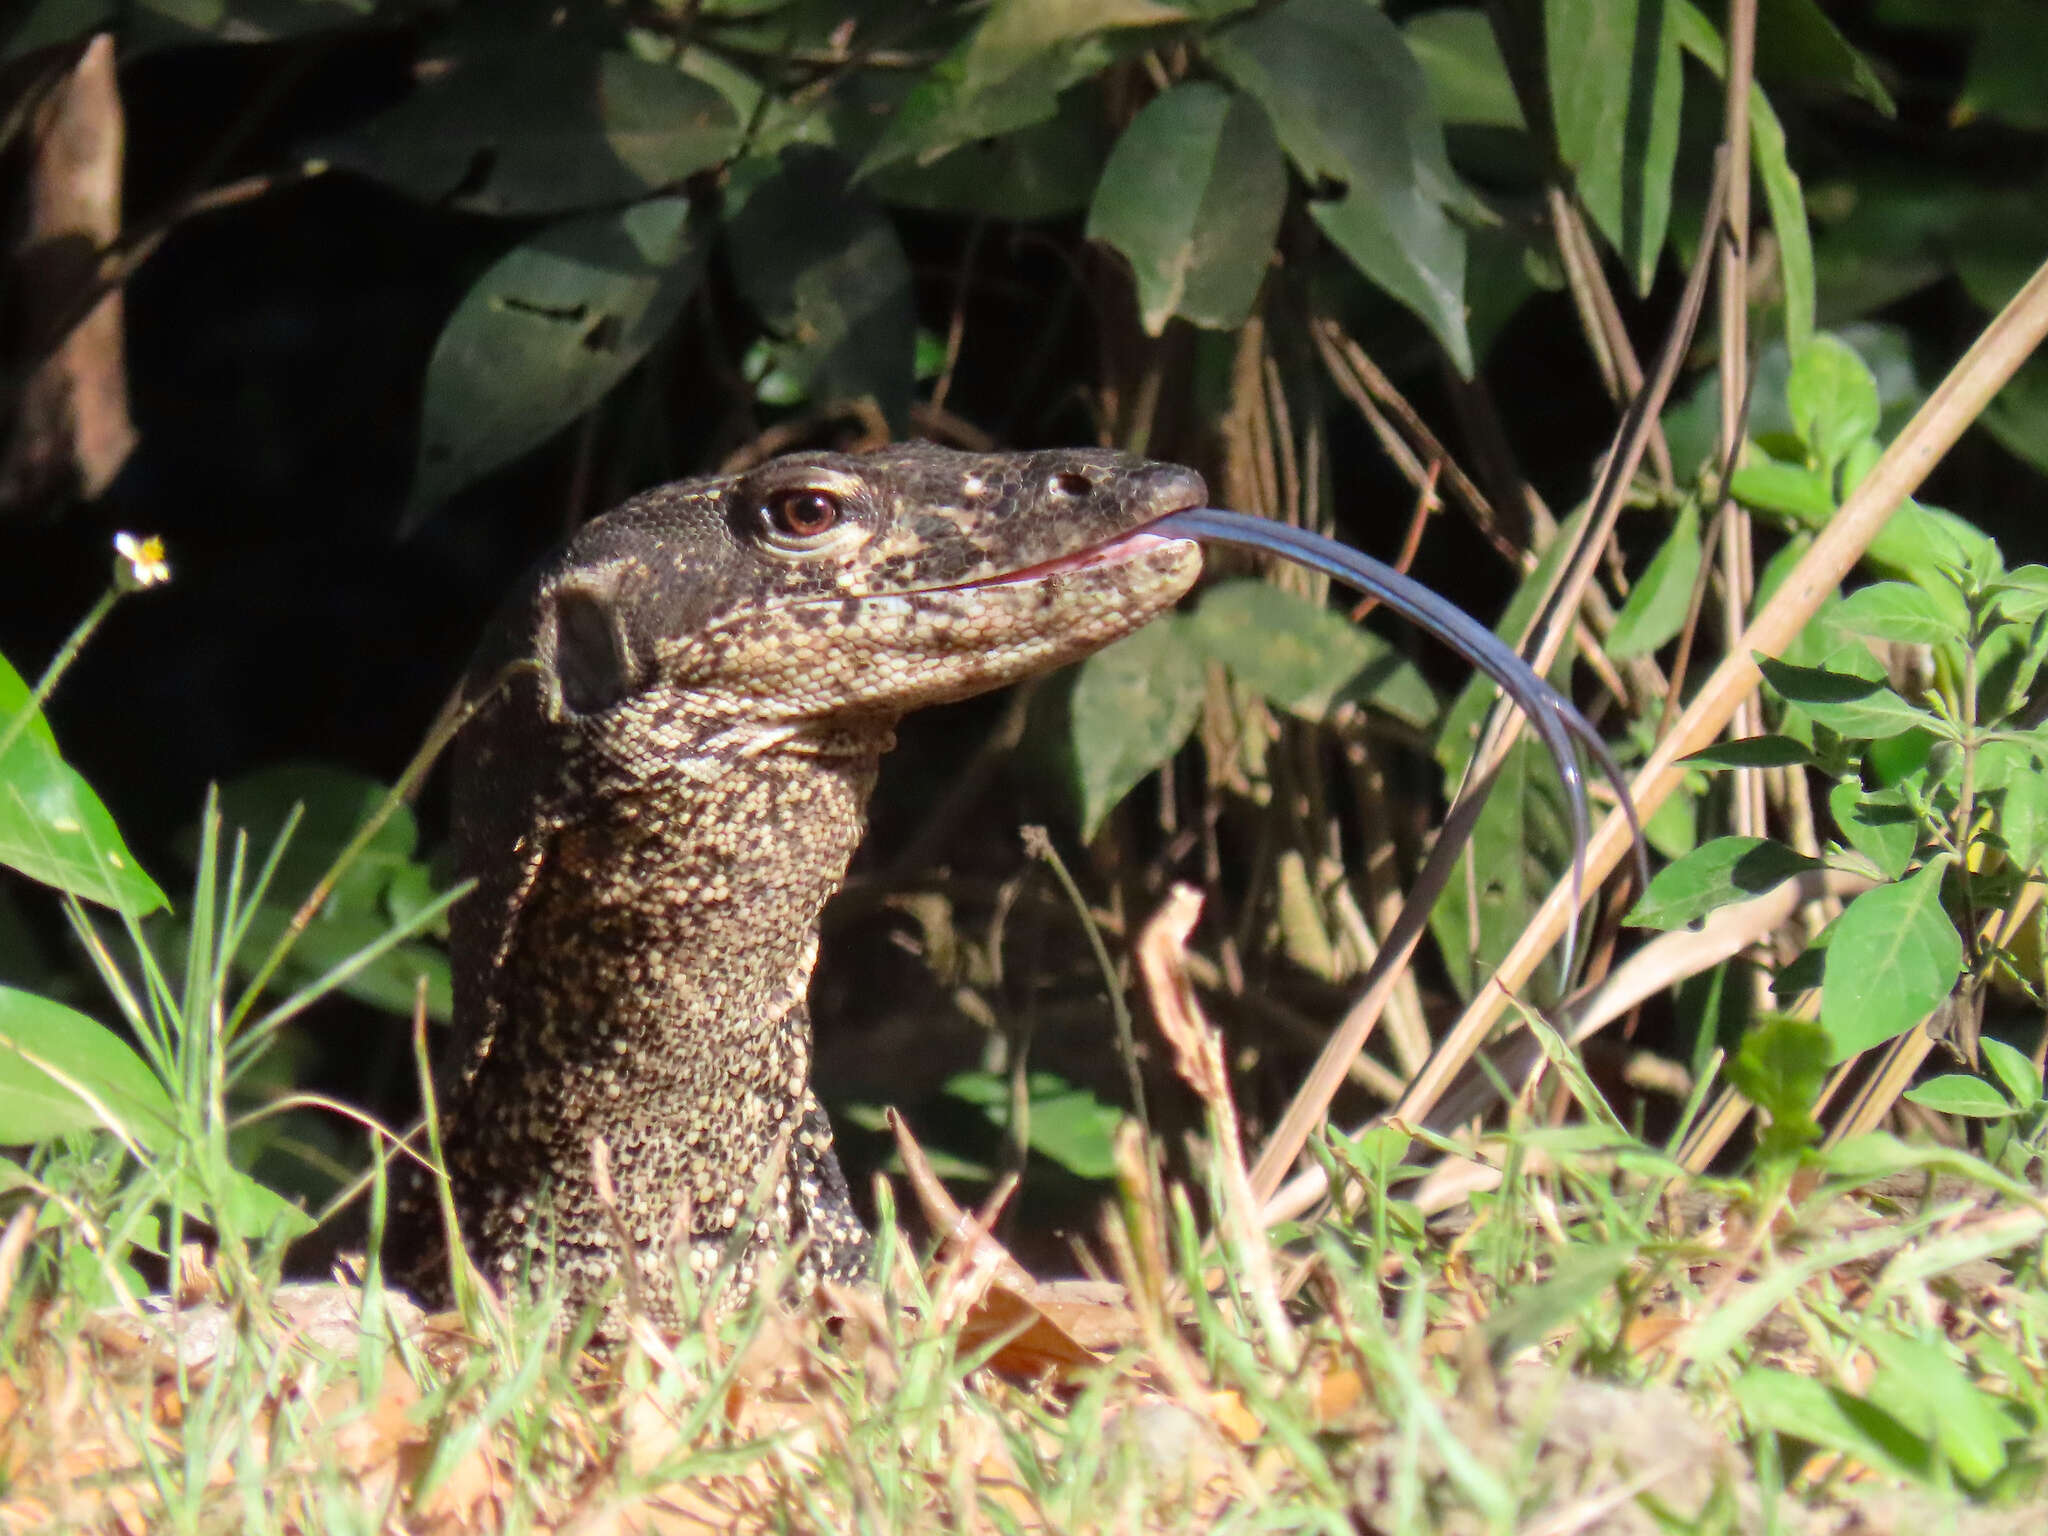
1071, 482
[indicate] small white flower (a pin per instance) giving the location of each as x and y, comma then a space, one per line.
142, 561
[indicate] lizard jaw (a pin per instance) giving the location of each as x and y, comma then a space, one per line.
1124, 547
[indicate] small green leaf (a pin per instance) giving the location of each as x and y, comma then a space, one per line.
1958, 1093
1780, 1069
1576, 1283
1833, 397
2015, 778
53, 828
1893, 959
2015, 1069
1898, 611
1728, 869
1304, 658
1792, 489
1755, 752
1352, 109
1068, 1123
82, 1056
1656, 607
1133, 705
1192, 196
1859, 708
1879, 824
545, 333
1616, 86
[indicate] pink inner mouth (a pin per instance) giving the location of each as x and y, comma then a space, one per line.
1126, 546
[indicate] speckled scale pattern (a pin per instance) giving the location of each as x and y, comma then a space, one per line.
659, 798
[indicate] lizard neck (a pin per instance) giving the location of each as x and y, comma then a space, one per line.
645, 985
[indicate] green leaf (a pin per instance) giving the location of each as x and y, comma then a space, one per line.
1755, 752
1352, 109
536, 123
2007, 66
1879, 824
2015, 778
1616, 86
1780, 1068
1896, 610
1192, 196
1958, 1093
1772, 486
1923, 1386
545, 333
1656, 606
825, 269
2018, 414
1461, 60
1133, 705
1048, 170
1009, 73
1068, 1123
53, 828
1827, 1416
1833, 398
1798, 44
1893, 959
1304, 658
1859, 708
331, 803
1578, 1280
2015, 1069
80, 1054
1728, 869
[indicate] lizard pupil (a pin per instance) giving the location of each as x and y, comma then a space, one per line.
803, 514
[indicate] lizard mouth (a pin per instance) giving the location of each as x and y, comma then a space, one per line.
1123, 548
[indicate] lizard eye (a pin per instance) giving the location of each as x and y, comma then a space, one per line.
801, 514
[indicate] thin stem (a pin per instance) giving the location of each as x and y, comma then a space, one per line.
59, 665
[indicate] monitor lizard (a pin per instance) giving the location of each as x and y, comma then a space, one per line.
691, 701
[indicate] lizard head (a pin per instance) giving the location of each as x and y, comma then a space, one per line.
824, 588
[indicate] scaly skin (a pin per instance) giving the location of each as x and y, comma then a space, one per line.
662, 798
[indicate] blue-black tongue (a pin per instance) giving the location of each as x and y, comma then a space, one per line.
1551, 715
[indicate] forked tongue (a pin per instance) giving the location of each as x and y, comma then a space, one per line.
1551, 715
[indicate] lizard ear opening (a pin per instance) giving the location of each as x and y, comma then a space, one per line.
593, 658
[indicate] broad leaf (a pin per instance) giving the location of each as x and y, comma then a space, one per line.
1192, 196
1957, 1093
1893, 959
1898, 611
53, 828
1755, 752
1304, 658
545, 333
1860, 708
1616, 86
1133, 705
1352, 110
1460, 58
2015, 1069
1656, 606
1067, 1123
1728, 869
1833, 398
82, 1057
1878, 824
513, 123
